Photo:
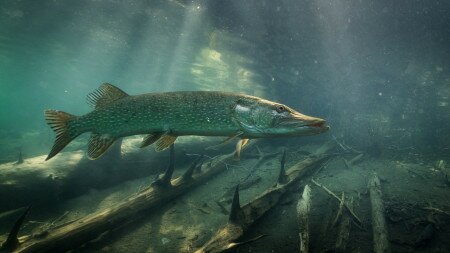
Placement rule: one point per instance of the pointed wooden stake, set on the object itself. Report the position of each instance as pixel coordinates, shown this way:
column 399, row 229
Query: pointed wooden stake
column 164, row 181
column 20, row 158
column 188, row 174
column 381, row 242
column 236, row 211
column 282, row 177
column 343, row 236
column 12, row 242
column 303, row 213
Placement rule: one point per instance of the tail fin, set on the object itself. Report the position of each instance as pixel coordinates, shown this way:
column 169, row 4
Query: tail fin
column 59, row 122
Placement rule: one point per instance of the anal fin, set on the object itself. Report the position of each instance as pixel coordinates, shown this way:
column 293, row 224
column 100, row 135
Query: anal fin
column 150, row 139
column 98, row 144
column 164, row 142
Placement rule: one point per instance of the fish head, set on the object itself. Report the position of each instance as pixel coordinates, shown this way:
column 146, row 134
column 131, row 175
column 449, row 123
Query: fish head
column 262, row 118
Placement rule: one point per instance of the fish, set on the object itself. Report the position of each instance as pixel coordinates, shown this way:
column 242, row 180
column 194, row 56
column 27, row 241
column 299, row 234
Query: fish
column 163, row 117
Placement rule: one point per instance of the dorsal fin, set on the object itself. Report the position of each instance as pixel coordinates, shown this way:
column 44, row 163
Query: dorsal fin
column 104, row 95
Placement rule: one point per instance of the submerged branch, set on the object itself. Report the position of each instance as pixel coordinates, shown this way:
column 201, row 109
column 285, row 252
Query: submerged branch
column 355, row 217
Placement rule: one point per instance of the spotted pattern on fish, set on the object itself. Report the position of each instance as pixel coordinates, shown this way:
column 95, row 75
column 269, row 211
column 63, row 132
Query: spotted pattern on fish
column 172, row 114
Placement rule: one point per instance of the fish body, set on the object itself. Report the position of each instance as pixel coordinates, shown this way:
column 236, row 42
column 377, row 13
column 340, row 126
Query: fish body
column 180, row 113
column 165, row 116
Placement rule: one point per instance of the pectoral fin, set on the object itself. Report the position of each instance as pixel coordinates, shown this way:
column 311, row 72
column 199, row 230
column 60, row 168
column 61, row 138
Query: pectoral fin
column 164, row 142
column 150, row 139
column 98, row 144
column 227, row 140
column 239, row 147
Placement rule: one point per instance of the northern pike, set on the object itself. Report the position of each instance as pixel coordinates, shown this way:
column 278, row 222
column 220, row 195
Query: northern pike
column 165, row 116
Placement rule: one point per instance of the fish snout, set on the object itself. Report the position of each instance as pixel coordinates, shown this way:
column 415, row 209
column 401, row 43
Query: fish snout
column 316, row 122
column 300, row 124
column 319, row 124
column 313, row 122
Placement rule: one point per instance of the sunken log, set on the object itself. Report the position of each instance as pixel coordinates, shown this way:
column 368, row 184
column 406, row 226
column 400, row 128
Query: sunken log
column 241, row 218
column 71, row 174
column 74, row 234
column 228, row 194
column 303, row 210
column 380, row 233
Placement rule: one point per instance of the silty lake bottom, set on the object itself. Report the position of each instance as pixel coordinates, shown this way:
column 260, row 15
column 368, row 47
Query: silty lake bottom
column 378, row 180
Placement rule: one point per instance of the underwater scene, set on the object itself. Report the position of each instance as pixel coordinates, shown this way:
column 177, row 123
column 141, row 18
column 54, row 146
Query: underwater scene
column 224, row 126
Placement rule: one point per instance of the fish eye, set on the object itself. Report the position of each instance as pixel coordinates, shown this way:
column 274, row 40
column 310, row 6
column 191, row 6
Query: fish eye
column 280, row 108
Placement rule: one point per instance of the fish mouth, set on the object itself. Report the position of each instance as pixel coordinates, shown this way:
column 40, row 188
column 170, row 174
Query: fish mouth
column 318, row 126
column 305, row 123
column 319, row 123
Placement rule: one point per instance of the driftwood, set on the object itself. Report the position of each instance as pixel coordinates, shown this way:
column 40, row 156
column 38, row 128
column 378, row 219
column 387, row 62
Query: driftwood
column 228, row 194
column 350, row 210
column 356, row 159
column 303, row 210
column 445, row 170
column 344, row 230
column 56, row 179
column 240, row 219
column 380, row 232
column 74, row 234
column 7, row 215
column 353, row 161
column 12, row 242
column 436, row 210
column 70, row 174
column 20, row 158
column 339, row 213
column 261, row 159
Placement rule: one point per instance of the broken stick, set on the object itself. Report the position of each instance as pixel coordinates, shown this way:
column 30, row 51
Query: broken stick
column 20, row 158
column 380, row 232
column 262, row 157
column 354, row 216
column 11, row 242
column 344, row 231
column 339, row 213
column 303, row 210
